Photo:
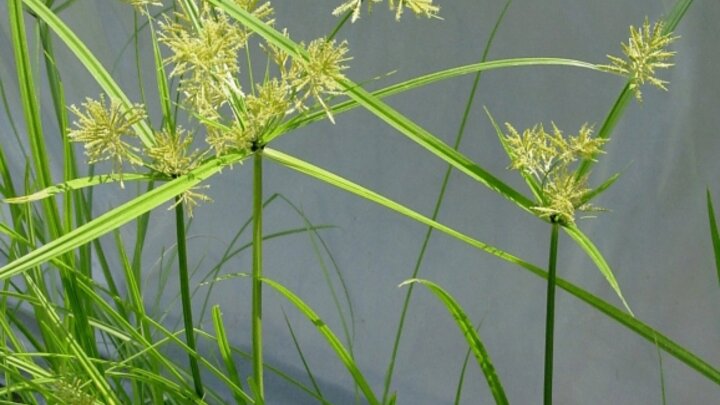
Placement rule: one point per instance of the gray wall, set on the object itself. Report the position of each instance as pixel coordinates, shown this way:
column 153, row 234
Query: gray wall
column 655, row 237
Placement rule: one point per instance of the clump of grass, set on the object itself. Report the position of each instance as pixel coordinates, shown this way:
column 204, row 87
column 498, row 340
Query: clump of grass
column 233, row 114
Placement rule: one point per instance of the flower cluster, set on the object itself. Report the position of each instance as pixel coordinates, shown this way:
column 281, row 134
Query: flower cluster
column 419, row 7
column 320, row 73
column 645, row 52
column 205, row 57
column 205, row 52
column 546, row 158
column 101, row 127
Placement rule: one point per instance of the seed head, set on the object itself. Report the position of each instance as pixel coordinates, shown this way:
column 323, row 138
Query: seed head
column 206, row 58
column 263, row 111
column 171, row 153
column 645, row 52
column 224, row 139
column 172, row 157
column 317, row 75
column 547, row 157
column 101, row 128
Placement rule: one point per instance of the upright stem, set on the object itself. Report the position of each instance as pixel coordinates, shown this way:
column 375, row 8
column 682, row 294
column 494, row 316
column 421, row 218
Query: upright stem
column 256, row 279
column 185, row 295
column 550, row 315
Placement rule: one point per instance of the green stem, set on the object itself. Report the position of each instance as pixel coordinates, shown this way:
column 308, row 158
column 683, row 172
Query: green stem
column 257, row 279
column 185, row 295
column 550, row 315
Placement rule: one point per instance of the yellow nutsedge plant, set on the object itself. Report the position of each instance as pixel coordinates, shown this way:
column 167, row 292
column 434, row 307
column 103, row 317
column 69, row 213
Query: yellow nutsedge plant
column 645, row 52
column 547, row 158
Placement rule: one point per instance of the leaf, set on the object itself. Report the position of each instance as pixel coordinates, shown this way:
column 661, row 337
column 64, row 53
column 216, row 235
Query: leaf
column 117, row 217
column 472, row 337
column 714, row 233
column 225, row 351
column 589, row 247
column 434, row 77
column 331, row 338
column 78, row 184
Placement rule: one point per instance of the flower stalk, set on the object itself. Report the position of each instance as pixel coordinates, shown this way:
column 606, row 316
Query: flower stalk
column 186, row 297
column 550, row 315
column 257, row 278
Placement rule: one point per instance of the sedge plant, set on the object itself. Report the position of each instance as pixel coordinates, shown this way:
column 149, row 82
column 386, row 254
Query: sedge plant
column 231, row 114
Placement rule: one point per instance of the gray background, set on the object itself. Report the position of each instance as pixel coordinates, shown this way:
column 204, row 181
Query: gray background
column 655, row 237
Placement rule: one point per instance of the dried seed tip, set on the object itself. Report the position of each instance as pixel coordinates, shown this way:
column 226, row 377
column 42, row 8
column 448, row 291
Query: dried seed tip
column 142, row 5
column 645, row 52
column 354, row 6
column 419, row 7
column 547, row 157
column 319, row 74
column 101, row 128
column 263, row 11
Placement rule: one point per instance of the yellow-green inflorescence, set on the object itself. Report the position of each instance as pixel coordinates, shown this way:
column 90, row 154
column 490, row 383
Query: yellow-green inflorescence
column 419, row 7
column 105, row 129
column 645, row 52
column 547, row 157
column 205, row 53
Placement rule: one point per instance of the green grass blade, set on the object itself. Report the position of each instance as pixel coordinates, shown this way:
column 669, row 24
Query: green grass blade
column 226, row 351
column 331, row 338
column 91, row 63
column 714, row 234
column 438, row 204
column 427, row 79
column 299, row 350
column 316, row 241
column 77, row 184
column 28, row 94
column 118, row 216
column 162, row 83
column 472, row 337
column 599, row 189
column 79, row 354
column 461, row 379
column 592, row 251
column 613, row 312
